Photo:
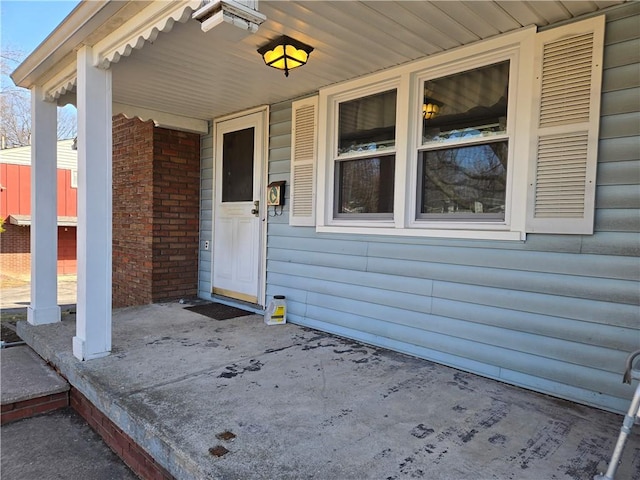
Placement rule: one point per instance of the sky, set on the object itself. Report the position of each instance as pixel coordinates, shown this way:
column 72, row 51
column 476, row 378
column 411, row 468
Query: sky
column 24, row 24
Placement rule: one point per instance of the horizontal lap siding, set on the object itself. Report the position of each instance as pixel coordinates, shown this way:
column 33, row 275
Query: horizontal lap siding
column 557, row 313
column 206, row 214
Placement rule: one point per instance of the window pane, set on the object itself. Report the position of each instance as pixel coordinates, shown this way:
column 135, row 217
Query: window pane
column 237, row 166
column 366, row 185
column 368, row 123
column 467, row 182
column 466, row 105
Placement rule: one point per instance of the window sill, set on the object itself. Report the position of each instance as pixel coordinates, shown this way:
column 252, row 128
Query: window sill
column 500, row 235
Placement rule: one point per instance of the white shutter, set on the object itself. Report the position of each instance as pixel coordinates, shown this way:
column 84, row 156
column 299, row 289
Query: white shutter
column 568, row 67
column 303, row 161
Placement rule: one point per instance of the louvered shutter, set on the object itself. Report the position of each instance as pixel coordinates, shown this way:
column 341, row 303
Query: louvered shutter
column 303, row 161
column 568, row 63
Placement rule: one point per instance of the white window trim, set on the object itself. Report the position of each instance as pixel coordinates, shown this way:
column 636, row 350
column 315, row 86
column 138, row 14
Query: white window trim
column 514, row 122
column 518, row 47
column 327, row 172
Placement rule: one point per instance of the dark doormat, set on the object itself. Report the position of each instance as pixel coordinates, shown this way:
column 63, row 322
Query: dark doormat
column 219, row 311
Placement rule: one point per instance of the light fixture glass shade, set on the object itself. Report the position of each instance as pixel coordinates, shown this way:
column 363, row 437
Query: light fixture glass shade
column 285, row 53
column 430, row 110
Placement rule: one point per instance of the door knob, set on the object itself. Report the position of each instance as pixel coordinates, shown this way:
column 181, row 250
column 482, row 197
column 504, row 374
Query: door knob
column 256, row 211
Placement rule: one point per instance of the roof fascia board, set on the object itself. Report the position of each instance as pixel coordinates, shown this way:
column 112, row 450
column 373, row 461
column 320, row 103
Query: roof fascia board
column 73, row 30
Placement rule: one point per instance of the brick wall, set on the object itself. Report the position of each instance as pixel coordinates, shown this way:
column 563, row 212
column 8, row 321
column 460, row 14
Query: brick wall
column 15, row 245
column 176, row 205
column 33, row 406
column 132, row 211
column 136, row 458
column 156, row 185
column 14, row 250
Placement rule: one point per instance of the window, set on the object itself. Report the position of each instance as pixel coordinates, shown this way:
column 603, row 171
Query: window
column 463, row 160
column 365, row 186
column 365, row 157
column 464, row 183
column 489, row 141
column 237, row 166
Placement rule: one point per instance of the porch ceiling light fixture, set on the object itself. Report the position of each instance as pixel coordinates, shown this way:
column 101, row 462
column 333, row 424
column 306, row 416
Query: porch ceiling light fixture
column 285, row 53
column 430, row 110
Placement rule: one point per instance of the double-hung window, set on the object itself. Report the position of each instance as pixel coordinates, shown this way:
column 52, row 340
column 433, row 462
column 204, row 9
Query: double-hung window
column 489, row 142
column 464, row 150
column 365, row 157
column 427, row 151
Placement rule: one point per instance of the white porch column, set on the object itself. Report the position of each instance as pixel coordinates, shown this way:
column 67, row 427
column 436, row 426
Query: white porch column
column 44, row 221
column 93, row 313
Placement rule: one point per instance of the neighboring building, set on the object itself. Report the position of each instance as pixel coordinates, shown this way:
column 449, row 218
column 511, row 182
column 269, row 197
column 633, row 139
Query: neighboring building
column 15, row 209
column 462, row 179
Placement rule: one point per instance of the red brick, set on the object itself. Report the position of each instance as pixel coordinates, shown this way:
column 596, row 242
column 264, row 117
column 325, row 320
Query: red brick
column 49, row 406
column 14, row 250
column 132, row 454
column 41, row 400
column 34, row 406
column 13, row 416
column 156, row 201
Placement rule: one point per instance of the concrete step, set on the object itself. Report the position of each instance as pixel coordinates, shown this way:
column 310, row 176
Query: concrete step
column 28, row 385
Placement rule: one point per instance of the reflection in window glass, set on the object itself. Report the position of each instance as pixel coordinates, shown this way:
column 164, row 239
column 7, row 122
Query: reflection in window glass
column 237, row 166
column 367, row 123
column 467, row 182
column 466, row 105
column 366, row 185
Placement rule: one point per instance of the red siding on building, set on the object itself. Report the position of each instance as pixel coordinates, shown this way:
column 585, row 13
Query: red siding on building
column 15, row 199
column 3, row 190
column 16, row 194
column 67, row 196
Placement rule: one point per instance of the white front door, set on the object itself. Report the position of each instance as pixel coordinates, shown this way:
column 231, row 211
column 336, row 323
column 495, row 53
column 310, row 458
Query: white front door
column 237, row 226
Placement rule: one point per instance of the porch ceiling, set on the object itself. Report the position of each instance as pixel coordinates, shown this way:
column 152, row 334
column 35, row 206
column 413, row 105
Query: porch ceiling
column 204, row 75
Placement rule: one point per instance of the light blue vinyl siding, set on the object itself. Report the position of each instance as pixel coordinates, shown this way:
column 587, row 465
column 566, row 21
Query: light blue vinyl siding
column 206, row 214
column 556, row 314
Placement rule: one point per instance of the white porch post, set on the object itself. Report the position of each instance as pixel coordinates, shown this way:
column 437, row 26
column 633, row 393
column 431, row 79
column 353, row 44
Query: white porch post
column 93, row 313
column 44, row 221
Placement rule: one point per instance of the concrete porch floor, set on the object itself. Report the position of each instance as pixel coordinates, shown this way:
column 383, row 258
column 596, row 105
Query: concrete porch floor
column 304, row 404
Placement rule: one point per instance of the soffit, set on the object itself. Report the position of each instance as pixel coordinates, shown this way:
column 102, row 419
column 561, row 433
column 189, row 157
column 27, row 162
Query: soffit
column 86, row 24
column 204, row 75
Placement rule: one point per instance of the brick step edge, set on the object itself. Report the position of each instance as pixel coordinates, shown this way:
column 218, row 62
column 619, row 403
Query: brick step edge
column 136, row 458
column 34, row 406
